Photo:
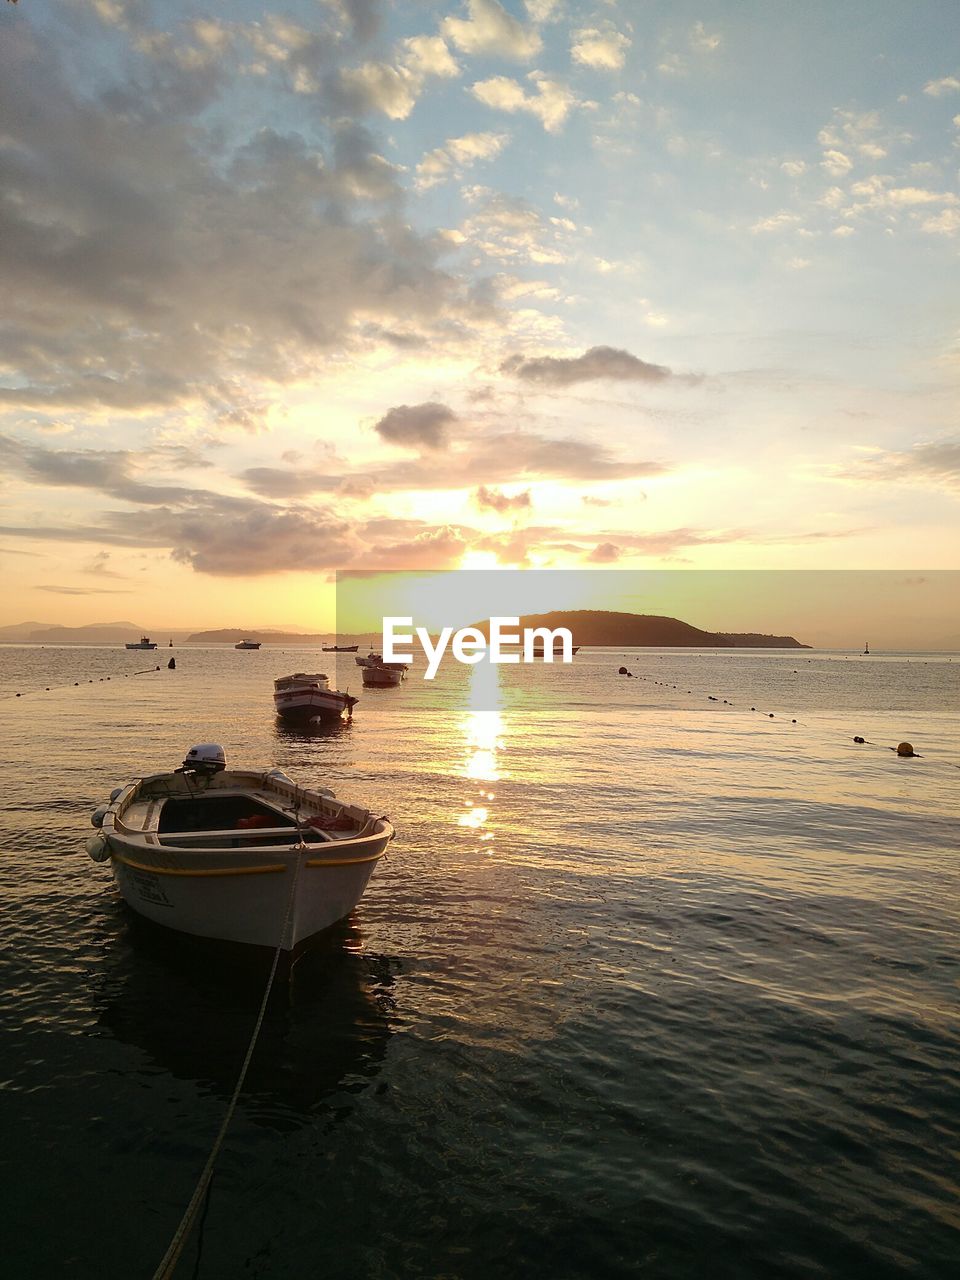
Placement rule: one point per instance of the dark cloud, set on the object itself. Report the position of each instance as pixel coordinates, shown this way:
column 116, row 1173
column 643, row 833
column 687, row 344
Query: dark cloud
column 102, row 470
column 364, row 16
column 500, row 458
column 424, row 426
column 275, row 482
column 147, row 263
column 497, row 500
column 597, row 363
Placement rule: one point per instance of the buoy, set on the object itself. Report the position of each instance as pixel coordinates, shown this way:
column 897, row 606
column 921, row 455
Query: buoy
column 905, row 749
column 859, row 739
column 623, row 672
column 753, row 708
column 98, row 847
column 771, row 715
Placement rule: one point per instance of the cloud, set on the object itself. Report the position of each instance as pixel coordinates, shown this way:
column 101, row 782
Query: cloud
column 605, row 553
column 836, row 163
column 491, row 30
column 602, row 48
column 419, row 425
column 151, row 264
column 598, row 362
column 484, row 460
column 394, row 88
column 934, row 464
column 782, row 221
column 704, row 40
column 946, row 223
column 363, row 17
column 84, row 591
column 496, row 500
column 458, row 154
column 512, row 230
column 551, row 104
column 939, row 88
column 436, row 548
column 103, row 470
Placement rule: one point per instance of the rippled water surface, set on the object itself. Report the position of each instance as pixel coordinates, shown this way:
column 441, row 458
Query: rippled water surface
column 651, row 984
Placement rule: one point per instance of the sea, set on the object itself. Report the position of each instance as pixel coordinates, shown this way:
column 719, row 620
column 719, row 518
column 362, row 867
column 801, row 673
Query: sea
column 659, row 978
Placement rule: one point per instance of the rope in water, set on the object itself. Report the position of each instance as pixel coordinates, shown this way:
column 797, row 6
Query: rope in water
column 172, row 1256
column 770, row 715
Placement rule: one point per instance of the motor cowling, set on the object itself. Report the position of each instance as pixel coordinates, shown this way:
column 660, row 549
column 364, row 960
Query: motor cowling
column 205, row 758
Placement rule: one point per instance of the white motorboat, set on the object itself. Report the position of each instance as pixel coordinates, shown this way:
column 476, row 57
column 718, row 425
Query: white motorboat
column 374, row 661
column 309, row 697
column 248, row 644
column 381, row 677
column 144, row 643
column 237, row 855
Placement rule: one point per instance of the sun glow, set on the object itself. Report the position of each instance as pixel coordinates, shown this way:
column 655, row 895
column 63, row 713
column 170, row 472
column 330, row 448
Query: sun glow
column 480, row 560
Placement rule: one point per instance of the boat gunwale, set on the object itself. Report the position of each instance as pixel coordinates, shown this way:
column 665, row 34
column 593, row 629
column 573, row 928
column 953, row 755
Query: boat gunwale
column 115, row 828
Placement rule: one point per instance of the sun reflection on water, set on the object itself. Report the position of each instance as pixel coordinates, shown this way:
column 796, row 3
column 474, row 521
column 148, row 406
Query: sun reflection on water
column 483, row 728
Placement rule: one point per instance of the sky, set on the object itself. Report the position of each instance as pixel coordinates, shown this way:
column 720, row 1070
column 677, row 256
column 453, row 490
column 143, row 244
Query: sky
column 344, row 284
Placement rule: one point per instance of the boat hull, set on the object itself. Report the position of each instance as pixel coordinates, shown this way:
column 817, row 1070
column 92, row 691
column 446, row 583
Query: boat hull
column 381, row 677
column 311, row 704
column 238, row 856
column 249, row 901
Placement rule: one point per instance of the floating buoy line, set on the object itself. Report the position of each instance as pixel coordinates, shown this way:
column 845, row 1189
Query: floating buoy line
column 78, row 684
column 904, row 750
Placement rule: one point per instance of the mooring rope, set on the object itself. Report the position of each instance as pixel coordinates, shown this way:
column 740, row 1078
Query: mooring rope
column 172, row 1256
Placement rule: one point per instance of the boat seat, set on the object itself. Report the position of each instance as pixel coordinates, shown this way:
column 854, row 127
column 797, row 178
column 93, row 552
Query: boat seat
column 249, row 835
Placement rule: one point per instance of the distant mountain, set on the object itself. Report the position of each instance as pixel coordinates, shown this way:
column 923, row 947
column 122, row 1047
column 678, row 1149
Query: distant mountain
column 20, row 631
column 95, row 633
column 754, row 640
column 629, row 630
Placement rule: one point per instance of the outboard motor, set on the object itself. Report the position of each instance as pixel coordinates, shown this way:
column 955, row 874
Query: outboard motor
column 204, row 760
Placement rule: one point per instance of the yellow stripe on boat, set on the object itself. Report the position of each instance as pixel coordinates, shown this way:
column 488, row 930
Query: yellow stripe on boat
column 340, row 862
column 207, row 871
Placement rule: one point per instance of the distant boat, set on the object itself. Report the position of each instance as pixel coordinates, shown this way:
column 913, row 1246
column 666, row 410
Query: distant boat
column 375, row 661
column 866, row 649
column 340, row 648
column 248, row 644
column 382, row 676
column 145, row 643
